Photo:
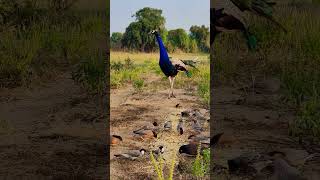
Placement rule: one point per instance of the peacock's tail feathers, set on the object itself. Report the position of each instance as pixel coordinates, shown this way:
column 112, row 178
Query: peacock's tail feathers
column 252, row 42
column 188, row 73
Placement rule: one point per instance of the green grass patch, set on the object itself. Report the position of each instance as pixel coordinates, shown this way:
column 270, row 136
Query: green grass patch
column 200, row 166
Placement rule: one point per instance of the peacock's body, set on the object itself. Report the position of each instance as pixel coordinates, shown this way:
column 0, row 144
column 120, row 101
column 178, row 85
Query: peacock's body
column 164, row 62
column 168, row 67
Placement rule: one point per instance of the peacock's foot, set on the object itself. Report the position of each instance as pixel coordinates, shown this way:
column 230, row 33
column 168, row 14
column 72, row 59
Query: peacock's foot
column 171, row 95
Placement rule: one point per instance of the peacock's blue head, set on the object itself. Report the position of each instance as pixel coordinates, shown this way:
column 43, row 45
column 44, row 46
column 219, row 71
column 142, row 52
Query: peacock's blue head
column 155, row 32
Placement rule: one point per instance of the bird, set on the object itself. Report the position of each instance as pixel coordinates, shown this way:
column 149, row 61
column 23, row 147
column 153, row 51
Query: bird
column 222, row 22
column 191, row 149
column 205, row 140
column 180, row 128
column 168, row 67
column 167, row 125
column 149, row 126
column 132, row 155
column 145, row 134
column 263, row 8
column 186, row 113
column 198, row 115
column 196, row 126
column 158, row 152
column 282, row 169
column 215, row 139
column 199, row 139
column 115, row 139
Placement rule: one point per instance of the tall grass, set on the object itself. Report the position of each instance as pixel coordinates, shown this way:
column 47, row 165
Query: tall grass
column 294, row 58
column 201, row 164
column 52, row 43
column 159, row 166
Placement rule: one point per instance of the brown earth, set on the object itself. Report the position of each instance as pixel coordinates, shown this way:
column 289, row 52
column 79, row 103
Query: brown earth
column 131, row 109
column 52, row 131
column 257, row 122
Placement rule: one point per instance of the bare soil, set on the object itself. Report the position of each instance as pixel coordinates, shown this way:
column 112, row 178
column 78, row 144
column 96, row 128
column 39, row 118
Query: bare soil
column 257, row 122
column 52, row 131
column 131, row 109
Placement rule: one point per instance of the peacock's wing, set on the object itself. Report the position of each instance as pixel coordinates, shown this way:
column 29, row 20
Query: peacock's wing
column 243, row 5
column 264, row 9
column 261, row 7
column 179, row 64
column 191, row 63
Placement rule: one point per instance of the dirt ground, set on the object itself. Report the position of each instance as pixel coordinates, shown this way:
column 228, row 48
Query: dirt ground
column 130, row 110
column 258, row 123
column 52, row 131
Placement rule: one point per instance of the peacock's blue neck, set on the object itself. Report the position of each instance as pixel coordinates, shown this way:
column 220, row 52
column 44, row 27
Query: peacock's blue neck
column 163, row 52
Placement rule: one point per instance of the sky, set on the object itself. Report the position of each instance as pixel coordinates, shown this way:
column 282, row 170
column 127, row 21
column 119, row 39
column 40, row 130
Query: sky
column 178, row 13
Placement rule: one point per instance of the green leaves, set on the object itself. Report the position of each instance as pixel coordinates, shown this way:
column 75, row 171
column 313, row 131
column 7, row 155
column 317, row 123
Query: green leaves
column 201, row 164
column 179, row 39
column 202, row 36
column 136, row 36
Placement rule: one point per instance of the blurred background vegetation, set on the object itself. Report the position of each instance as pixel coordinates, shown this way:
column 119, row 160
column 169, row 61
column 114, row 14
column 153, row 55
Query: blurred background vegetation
column 294, row 58
column 40, row 38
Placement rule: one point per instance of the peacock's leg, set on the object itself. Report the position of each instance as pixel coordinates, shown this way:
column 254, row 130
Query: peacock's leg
column 172, row 87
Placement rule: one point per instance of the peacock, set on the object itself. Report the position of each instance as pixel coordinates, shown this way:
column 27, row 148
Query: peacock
column 168, row 67
column 222, row 22
column 263, row 8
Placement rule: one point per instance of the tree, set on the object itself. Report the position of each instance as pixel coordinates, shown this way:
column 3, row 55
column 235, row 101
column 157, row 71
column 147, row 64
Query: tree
column 179, row 38
column 193, row 47
column 202, row 35
column 137, row 33
column 115, row 40
column 131, row 38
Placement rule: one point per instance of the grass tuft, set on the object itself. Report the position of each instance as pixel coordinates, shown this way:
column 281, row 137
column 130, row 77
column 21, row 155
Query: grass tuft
column 201, row 164
column 159, row 166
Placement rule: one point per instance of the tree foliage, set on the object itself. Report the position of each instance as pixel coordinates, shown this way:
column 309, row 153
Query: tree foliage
column 137, row 34
column 178, row 38
column 202, row 35
column 115, row 40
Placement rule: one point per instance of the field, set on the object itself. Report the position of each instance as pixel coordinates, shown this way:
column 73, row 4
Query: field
column 52, row 82
column 267, row 99
column 139, row 95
